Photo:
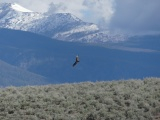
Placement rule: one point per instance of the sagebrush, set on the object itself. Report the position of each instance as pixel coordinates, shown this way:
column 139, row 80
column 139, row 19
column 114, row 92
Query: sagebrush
column 114, row 100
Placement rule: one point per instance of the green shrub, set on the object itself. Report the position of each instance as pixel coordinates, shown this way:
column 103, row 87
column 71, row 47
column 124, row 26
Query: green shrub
column 113, row 100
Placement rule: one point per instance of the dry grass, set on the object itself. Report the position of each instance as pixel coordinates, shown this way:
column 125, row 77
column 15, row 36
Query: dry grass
column 115, row 100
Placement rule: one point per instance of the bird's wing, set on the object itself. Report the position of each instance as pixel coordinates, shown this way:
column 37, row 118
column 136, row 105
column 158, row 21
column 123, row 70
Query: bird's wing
column 74, row 64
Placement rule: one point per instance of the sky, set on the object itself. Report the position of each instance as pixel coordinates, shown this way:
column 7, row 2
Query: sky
column 128, row 16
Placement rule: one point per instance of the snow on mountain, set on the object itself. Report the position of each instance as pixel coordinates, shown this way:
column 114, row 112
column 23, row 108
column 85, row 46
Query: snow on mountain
column 9, row 6
column 62, row 26
column 12, row 17
column 19, row 8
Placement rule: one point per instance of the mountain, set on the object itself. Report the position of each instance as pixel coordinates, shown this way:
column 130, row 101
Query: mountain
column 53, row 59
column 61, row 26
column 13, row 16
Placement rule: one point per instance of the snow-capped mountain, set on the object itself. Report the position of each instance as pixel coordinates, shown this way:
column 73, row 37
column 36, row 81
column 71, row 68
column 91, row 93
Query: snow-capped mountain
column 13, row 16
column 62, row 26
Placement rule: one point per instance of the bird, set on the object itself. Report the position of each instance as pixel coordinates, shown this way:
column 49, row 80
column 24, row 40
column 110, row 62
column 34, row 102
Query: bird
column 77, row 60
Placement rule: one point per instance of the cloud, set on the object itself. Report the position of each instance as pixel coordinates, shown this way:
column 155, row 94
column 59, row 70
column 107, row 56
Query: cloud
column 63, row 6
column 95, row 11
column 100, row 10
column 136, row 16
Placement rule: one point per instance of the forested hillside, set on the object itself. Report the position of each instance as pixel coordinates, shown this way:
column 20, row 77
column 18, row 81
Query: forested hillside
column 114, row 100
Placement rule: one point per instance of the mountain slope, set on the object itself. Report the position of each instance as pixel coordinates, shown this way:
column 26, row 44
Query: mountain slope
column 53, row 59
column 16, row 19
column 11, row 75
column 62, row 26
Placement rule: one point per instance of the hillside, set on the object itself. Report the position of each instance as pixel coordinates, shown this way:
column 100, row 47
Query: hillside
column 12, row 75
column 114, row 100
column 53, row 59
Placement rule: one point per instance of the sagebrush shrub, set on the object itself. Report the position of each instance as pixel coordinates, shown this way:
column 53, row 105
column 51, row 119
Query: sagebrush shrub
column 117, row 100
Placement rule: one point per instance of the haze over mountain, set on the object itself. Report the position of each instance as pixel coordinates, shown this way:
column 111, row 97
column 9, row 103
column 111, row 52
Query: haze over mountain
column 62, row 26
column 53, row 59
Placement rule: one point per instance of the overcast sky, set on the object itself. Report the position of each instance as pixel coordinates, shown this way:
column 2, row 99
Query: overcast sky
column 137, row 16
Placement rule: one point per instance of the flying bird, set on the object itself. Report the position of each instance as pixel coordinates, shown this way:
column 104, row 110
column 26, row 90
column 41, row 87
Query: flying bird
column 77, row 60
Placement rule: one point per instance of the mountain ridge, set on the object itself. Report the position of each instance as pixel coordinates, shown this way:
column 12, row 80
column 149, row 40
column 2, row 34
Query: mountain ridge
column 17, row 7
column 13, row 6
column 61, row 26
